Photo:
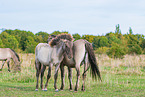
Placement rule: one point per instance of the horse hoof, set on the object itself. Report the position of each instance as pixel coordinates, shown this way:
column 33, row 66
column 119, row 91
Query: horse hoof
column 70, row 89
column 36, row 89
column 83, row 90
column 75, row 91
column 61, row 89
column 56, row 90
column 44, row 89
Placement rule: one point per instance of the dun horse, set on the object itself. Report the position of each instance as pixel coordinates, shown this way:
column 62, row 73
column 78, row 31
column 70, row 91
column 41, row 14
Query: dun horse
column 82, row 54
column 52, row 54
column 6, row 54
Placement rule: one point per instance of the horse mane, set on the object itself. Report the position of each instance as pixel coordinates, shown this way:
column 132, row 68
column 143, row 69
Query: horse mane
column 56, row 40
column 52, row 35
column 16, row 55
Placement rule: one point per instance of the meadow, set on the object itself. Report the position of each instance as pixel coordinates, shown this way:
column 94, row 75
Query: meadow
column 120, row 77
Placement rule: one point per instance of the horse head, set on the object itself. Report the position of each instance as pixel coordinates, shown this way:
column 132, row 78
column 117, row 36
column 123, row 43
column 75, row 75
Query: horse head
column 66, row 41
column 68, row 47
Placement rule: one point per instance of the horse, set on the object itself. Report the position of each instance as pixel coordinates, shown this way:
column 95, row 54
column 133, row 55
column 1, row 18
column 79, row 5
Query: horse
column 82, row 54
column 52, row 54
column 50, row 37
column 6, row 54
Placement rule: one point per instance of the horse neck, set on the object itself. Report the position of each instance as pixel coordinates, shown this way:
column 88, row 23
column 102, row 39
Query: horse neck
column 68, row 61
column 59, row 50
column 14, row 57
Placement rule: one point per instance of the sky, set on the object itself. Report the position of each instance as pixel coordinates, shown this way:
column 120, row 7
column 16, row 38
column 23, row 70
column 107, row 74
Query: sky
column 93, row 17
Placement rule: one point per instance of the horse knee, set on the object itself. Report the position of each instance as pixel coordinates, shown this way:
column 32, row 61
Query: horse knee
column 48, row 76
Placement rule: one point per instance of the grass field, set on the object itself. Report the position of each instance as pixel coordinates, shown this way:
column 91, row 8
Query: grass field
column 121, row 77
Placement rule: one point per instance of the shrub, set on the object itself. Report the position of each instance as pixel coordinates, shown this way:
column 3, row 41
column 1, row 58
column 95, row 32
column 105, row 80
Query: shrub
column 135, row 48
column 101, row 50
column 116, row 51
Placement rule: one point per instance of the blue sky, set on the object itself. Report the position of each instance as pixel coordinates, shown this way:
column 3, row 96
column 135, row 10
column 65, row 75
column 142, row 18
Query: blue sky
column 95, row 17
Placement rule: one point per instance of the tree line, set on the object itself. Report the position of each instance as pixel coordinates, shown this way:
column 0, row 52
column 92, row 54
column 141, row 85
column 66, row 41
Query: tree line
column 114, row 44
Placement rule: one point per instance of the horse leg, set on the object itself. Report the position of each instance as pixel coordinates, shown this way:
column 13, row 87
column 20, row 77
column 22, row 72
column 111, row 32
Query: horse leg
column 8, row 64
column 38, row 68
column 78, row 77
column 48, row 76
column 2, row 65
column 84, row 76
column 42, row 74
column 70, row 77
column 62, row 76
column 55, row 77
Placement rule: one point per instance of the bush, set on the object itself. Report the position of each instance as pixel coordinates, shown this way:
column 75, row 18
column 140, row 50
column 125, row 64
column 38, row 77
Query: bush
column 116, row 51
column 135, row 49
column 101, row 50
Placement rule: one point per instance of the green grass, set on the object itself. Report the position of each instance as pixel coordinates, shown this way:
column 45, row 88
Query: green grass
column 117, row 81
column 112, row 85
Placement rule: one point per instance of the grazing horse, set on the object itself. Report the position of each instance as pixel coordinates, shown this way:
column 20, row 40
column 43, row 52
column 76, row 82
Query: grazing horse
column 6, row 54
column 82, row 54
column 52, row 54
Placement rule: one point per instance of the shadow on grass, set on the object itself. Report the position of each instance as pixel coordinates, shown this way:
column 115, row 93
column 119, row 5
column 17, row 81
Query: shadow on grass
column 28, row 88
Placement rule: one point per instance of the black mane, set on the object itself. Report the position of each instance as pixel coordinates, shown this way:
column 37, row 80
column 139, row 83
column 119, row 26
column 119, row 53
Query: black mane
column 56, row 40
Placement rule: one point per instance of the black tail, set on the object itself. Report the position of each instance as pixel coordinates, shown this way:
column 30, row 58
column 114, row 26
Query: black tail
column 92, row 59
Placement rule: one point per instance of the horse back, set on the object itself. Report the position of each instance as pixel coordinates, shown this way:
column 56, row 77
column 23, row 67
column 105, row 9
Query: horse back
column 5, row 53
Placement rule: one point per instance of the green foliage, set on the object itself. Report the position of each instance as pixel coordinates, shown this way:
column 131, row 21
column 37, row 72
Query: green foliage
column 143, row 43
column 76, row 36
column 116, row 51
column 96, row 42
column 9, row 41
column 103, row 41
column 130, row 30
column 1, row 43
column 25, row 41
column 89, row 38
column 113, row 39
column 30, row 45
column 58, row 32
column 41, row 36
column 135, row 49
column 101, row 50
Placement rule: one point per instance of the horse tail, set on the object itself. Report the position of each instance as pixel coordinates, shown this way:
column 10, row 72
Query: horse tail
column 92, row 60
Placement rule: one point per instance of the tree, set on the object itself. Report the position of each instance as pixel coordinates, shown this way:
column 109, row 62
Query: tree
column 76, row 36
column 96, row 42
column 1, row 43
column 58, row 32
column 135, row 48
column 130, row 30
column 143, row 43
column 41, row 36
column 30, row 45
column 89, row 38
column 117, row 30
column 116, row 51
column 103, row 41
column 9, row 41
